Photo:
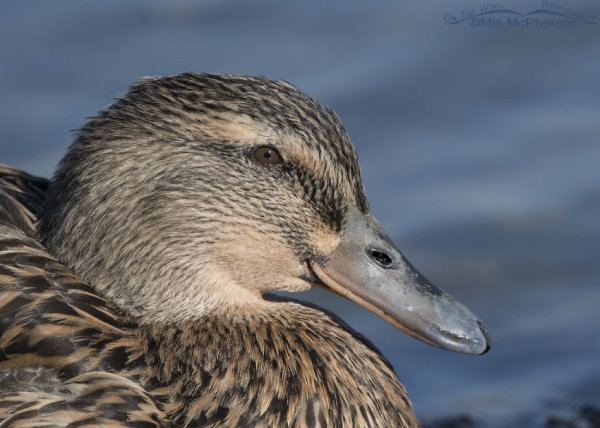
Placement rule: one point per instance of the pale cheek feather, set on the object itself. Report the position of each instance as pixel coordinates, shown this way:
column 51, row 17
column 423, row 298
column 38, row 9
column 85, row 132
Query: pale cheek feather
column 255, row 261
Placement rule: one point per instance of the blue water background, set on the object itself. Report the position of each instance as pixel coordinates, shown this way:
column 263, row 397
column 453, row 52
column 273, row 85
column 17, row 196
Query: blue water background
column 480, row 153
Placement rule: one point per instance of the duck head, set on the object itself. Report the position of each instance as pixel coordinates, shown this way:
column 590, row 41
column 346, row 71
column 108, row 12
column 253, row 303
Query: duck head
column 196, row 194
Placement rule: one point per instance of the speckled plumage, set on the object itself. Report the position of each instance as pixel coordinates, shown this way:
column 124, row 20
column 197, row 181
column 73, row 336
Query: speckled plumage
column 177, row 233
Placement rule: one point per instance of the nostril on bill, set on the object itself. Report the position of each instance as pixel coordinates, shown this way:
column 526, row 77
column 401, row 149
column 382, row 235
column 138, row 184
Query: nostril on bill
column 381, row 258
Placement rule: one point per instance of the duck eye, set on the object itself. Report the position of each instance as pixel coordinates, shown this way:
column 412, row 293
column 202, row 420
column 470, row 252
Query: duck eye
column 267, row 155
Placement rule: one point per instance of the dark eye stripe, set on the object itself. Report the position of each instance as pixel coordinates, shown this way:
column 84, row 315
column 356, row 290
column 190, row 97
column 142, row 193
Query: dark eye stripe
column 267, row 155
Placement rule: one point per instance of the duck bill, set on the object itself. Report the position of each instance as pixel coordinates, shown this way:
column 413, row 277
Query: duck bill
column 368, row 269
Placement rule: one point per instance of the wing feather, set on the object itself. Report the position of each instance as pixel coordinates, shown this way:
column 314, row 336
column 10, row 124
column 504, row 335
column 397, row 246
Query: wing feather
column 89, row 400
column 56, row 333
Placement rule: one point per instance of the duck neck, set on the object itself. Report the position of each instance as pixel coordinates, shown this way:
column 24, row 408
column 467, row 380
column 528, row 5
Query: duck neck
column 270, row 364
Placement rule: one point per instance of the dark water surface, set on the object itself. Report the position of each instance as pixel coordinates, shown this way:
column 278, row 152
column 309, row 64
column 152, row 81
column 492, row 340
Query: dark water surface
column 479, row 143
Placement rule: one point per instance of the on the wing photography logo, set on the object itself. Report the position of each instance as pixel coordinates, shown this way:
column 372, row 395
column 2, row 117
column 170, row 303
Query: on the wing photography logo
column 495, row 15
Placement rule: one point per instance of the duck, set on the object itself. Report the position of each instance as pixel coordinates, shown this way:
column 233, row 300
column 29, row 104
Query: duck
column 135, row 285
